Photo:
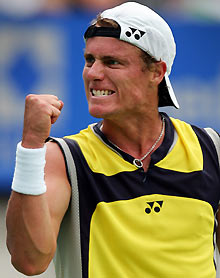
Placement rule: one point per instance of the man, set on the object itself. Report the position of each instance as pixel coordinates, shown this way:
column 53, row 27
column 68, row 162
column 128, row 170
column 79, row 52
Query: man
column 135, row 195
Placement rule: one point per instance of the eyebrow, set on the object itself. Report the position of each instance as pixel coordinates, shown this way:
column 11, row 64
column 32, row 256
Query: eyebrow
column 87, row 55
column 106, row 57
column 110, row 57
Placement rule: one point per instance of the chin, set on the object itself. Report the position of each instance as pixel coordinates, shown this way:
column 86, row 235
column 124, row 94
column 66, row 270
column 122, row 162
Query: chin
column 102, row 111
column 100, row 114
column 96, row 113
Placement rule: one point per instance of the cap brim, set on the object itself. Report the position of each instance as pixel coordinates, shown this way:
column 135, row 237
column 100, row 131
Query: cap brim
column 166, row 93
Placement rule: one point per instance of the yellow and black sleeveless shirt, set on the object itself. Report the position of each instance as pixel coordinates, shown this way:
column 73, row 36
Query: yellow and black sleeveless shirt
column 137, row 224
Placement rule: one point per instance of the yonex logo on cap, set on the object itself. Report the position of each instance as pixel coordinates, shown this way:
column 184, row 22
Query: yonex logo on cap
column 135, row 32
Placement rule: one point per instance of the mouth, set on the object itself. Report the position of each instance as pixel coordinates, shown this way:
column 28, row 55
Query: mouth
column 98, row 93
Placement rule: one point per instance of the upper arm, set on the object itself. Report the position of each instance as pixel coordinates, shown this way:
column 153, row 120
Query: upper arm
column 58, row 187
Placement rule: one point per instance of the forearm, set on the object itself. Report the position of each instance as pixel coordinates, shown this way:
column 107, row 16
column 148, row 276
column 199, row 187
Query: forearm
column 30, row 233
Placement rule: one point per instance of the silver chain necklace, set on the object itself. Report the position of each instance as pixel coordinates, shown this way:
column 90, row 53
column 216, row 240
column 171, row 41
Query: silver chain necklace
column 138, row 161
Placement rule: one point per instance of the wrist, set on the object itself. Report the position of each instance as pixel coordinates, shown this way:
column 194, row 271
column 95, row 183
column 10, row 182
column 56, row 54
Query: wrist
column 29, row 170
column 30, row 140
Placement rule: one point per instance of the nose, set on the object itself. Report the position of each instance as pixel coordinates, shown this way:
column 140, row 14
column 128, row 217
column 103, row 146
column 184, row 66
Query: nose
column 96, row 71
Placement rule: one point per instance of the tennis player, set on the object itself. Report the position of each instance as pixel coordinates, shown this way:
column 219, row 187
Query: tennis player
column 134, row 195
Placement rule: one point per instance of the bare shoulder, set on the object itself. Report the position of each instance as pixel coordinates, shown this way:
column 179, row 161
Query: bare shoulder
column 54, row 158
column 55, row 169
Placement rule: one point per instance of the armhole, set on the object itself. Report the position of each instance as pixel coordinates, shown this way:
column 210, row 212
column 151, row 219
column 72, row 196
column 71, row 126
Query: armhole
column 216, row 140
column 68, row 256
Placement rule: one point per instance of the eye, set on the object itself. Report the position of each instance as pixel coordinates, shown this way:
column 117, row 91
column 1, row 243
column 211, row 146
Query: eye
column 112, row 62
column 89, row 60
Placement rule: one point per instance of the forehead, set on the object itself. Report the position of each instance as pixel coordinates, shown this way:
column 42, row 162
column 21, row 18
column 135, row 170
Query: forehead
column 110, row 46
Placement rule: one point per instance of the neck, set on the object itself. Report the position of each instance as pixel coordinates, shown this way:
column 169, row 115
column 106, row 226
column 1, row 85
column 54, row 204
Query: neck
column 135, row 137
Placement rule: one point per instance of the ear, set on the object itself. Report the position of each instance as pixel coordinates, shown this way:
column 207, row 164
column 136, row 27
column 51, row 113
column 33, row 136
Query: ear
column 159, row 71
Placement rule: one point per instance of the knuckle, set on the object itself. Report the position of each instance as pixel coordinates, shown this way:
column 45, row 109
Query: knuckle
column 32, row 98
column 29, row 97
column 55, row 97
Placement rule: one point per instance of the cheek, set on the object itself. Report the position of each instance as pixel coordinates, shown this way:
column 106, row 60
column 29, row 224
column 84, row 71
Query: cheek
column 85, row 79
column 86, row 86
column 131, row 82
column 135, row 89
column 84, row 73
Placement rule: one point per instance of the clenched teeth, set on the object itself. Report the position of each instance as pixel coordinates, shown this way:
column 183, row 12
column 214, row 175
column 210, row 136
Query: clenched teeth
column 101, row 92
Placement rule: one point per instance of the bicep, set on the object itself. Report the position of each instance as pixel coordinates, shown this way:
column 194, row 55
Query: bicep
column 58, row 188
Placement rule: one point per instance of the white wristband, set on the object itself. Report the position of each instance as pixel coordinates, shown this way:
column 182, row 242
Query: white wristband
column 29, row 171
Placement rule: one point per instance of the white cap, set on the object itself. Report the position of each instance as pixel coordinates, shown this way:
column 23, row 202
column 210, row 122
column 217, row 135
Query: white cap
column 144, row 28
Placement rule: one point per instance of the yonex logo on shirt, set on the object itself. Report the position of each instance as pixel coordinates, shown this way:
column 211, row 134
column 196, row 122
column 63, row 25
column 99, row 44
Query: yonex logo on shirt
column 135, row 32
column 155, row 206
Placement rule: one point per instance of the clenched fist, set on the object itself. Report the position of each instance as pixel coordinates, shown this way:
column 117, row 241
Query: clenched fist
column 41, row 111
